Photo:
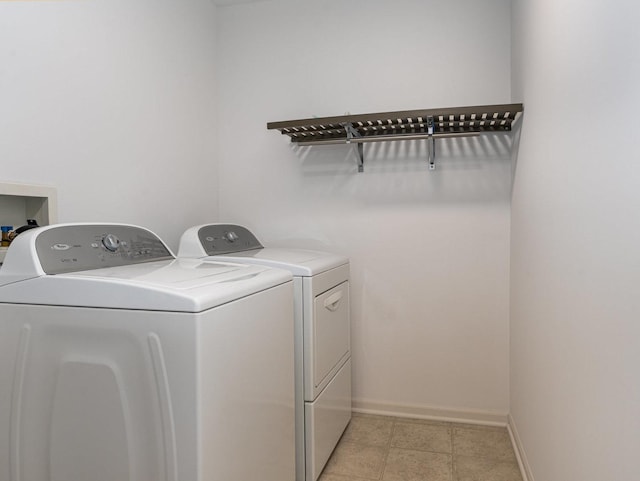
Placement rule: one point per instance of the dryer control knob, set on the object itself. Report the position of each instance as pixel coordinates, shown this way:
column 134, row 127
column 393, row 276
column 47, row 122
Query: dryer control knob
column 111, row 242
column 231, row 236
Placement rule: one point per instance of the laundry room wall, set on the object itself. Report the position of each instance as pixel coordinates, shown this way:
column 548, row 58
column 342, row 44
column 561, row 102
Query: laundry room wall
column 112, row 103
column 575, row 268
column 429, row 249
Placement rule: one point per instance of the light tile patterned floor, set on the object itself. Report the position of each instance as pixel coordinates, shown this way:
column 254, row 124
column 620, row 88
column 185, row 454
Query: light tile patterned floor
column 380, row 448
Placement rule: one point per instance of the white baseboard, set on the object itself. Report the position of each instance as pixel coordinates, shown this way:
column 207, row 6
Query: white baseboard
column 435, row 413
column 525, row 469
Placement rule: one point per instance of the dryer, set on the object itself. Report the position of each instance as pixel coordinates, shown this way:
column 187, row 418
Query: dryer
column 118, row 361
column 322, row 332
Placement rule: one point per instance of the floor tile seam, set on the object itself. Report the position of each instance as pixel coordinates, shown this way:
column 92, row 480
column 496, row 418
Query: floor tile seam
column 389, row 442
column 418, row 451
column 353, row 477
column 454, row 466
column 421, row 450
column 366, row 445
column 488, row 458
column 388, row 449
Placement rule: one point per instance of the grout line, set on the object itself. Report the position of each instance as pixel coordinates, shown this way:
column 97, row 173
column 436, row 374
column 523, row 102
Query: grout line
column 454, row 468
column 388, row 449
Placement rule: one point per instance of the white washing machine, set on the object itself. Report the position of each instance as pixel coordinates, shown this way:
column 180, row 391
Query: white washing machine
column 322, row 333
column 120, row 362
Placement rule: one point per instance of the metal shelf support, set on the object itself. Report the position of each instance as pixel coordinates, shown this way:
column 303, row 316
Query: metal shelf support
column 431, row 143
column 352, row 133
column 360, row 157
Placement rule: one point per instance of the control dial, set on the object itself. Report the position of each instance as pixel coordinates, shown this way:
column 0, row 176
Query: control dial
column 231, row 236
column 111, row 242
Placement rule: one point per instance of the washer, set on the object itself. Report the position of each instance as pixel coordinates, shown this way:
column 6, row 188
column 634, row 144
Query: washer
column 120, row 362
column 322, row 332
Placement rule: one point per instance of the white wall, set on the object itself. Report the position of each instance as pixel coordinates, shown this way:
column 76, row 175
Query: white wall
column 429, row 250
column 575, row 273
column 112, row 102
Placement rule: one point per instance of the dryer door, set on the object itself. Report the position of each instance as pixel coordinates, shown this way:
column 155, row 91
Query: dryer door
column 330, row 334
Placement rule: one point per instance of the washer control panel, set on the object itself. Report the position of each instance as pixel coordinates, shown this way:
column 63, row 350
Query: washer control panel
column 83, row 247
column 219, row 239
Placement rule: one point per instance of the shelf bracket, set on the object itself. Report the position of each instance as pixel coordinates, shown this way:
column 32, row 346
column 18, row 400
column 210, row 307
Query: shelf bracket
column 360, row 157
column 431, row 143
column 353, row 133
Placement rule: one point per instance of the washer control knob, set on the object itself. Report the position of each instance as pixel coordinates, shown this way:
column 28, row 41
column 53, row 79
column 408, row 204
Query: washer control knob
column 111, row 242
column 231, row 236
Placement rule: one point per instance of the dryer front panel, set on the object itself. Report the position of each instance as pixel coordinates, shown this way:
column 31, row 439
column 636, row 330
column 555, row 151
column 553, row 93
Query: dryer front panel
column 326, row 418
column 330, row 331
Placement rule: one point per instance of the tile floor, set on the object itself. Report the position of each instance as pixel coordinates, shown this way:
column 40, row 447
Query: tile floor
column 380, row 448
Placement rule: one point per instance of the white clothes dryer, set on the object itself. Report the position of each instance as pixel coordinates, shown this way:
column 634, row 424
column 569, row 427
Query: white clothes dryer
column 322, row 332
column 120, row 362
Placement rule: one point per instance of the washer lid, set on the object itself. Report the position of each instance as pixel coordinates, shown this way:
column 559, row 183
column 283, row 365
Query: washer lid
column 298, row 261
column 237, row 244
column 168, row 284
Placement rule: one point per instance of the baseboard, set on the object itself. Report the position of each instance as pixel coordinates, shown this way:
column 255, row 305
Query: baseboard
column 525, row 469
column 435, row 413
